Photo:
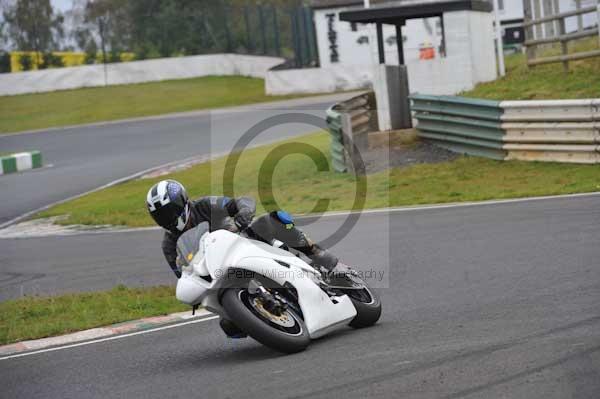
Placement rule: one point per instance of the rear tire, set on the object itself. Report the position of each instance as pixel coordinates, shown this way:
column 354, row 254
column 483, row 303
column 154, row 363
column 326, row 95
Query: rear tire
column 235, row 302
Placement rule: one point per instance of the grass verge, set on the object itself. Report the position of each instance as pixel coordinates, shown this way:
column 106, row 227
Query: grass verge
column 545, row 82
column 297, row 185
column 37, row 317
column 72, row 107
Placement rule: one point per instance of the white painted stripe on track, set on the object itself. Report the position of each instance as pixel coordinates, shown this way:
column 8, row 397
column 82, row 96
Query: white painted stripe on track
column 112, row 338
column 451, row 205
column 371, row 211
column 346, row 213
column 261, row 106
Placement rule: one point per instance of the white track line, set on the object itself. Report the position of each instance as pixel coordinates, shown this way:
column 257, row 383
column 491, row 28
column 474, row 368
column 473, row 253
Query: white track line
column 209, row 158
column 372, row 211
column 451, row 205
column 95, row 341
column 326, row 214
column 263, row 106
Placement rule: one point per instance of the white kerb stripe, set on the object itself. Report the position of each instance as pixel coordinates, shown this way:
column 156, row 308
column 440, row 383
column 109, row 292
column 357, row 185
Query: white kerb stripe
column 23, row 160
column 95, row 341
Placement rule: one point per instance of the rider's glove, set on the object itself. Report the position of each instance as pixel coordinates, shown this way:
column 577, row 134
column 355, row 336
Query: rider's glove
column 243, row 218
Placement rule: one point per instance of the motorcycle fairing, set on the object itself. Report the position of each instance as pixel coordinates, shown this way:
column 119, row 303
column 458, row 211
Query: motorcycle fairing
column 225, row 251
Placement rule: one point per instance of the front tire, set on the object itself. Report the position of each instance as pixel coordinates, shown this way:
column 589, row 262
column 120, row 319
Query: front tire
column 289, row 337
column 368, row 312
column 366, row 302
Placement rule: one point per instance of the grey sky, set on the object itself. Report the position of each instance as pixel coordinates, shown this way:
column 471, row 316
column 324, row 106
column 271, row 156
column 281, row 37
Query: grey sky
column 62, row 5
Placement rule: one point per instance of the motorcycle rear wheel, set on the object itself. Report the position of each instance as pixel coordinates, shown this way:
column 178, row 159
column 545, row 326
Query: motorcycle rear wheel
column 286, row 333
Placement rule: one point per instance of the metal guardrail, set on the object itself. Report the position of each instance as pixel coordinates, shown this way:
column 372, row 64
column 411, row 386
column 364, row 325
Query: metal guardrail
column 469, row 126
column 554, row 130
column 338, row 158
column 551, row 111
column 349, row 124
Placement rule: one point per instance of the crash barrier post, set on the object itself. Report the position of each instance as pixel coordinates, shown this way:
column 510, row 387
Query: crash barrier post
column 546, row 130
column 349, row 123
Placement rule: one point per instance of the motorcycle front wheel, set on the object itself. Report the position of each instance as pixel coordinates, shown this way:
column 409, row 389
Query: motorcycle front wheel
column 366, row 302
column 285, row 333
column 367, row 305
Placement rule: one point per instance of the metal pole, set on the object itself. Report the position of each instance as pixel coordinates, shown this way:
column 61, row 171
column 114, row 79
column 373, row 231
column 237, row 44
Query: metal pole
column 367, row 4
column 380, row 48
column 400, row 44
column 499, row 43
column 103, row 44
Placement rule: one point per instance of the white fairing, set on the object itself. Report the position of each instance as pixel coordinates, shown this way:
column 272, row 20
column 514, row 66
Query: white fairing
column 223, row 254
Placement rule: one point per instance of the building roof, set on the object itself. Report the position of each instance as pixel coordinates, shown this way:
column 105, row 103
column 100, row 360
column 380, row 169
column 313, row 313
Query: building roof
column 316, row 4
column 392, row 13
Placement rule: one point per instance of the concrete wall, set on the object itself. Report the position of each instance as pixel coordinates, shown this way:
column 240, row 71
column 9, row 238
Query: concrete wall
column 136, row 72
column 318, row 80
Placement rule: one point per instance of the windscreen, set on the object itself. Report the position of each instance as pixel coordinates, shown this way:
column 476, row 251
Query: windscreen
column 189, row 243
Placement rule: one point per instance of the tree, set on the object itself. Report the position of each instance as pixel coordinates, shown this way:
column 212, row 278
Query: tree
column 33, row 25
column 110, row 22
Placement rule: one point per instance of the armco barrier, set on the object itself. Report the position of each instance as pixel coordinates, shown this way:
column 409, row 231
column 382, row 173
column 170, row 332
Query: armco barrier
column 19, row 162
column 338, row 158
column 464, row 125
column 552, row 130
column 349, row 124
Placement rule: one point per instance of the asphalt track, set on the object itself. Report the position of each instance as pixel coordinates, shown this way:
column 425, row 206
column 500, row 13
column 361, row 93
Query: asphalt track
column 86, row 157
column 492, row 301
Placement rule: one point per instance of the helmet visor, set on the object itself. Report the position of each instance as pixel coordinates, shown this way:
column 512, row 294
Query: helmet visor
column 167, row 216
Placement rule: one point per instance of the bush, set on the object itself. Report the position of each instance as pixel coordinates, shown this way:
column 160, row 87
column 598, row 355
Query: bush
column 4, row 62
column 114, row 56
column 50, row 60
column 90, row 58
column 26, row 62
column 147, row 52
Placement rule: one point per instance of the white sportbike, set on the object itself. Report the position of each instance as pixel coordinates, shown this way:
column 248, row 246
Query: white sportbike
column 270, row 293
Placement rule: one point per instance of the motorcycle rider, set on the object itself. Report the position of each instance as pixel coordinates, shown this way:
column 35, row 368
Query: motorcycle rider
column 170, row 207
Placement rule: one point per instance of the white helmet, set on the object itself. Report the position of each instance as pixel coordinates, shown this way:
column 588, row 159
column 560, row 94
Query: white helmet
column 169, row 205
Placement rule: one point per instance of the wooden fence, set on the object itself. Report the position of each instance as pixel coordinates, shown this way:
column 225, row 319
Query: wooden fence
column 553, row 23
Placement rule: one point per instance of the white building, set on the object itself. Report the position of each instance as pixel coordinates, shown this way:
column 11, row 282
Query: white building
column 353, row 44
column 448, row 47
column 353, row 39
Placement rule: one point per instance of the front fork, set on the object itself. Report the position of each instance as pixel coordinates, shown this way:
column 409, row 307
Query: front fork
column 271, row 302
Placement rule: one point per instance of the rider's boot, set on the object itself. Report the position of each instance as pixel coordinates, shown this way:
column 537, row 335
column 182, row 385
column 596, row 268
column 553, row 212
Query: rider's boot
column 231, row 330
